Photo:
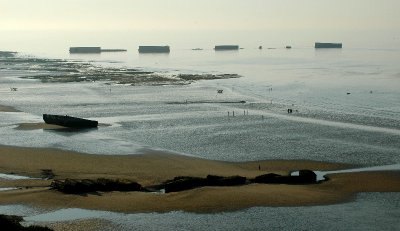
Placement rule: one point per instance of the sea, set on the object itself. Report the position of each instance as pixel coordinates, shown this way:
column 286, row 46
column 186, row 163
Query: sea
column 345, row 108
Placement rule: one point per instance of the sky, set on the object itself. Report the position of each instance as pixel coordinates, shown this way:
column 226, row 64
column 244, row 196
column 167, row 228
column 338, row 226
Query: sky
column 199, row 14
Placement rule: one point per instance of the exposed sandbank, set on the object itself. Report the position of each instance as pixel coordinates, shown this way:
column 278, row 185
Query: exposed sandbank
column 34, row 126
column 48, row 70
column 4, row 108
column 156, row 167
column 43, row 125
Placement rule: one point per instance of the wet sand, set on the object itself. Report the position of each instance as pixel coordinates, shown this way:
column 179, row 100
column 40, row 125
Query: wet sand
column 156, row 167
column 4, row 108
column 85, row 224
column 35, row 126
column 43, row 125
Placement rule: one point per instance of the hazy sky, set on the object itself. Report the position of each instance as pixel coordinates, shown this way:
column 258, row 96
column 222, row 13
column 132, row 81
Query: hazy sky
column 199, row 14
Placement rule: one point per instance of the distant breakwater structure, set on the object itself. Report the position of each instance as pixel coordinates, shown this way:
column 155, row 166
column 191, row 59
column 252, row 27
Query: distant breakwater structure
column 154, row 49
column 319, row 45
column 60, row 70
column 92, row 50
column 226, row 47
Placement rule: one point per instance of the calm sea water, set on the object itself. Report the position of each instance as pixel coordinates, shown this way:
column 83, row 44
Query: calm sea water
column 346, row 107
column 372, row 211
column 345, row 101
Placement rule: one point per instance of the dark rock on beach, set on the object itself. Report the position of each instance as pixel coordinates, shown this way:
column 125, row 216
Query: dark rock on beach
column 47, row 173
column 305, row 177
column 12, row 223
column 185, row 182
column 225, row 181
column 270, row 178
column 182, row 183
column 72, row 186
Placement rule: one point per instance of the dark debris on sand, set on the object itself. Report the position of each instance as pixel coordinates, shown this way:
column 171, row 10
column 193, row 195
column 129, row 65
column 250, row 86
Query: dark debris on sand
column 13, row 223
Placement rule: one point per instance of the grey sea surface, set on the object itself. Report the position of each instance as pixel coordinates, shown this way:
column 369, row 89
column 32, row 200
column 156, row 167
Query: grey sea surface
column 346, row 108
column 193, row 119
column 370, row 211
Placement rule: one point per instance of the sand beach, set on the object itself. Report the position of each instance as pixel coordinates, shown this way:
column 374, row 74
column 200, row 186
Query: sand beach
column 156, row 167
column 266, row 141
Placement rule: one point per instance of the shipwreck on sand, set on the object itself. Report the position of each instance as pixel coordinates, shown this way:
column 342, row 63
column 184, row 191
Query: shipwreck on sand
column 69, row 121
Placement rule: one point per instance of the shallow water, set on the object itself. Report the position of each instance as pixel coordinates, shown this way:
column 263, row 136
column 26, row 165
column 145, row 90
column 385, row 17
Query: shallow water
column 321, row 174
column 13, row 177
column 7, row 189
column 328, row 124
column 372, row 211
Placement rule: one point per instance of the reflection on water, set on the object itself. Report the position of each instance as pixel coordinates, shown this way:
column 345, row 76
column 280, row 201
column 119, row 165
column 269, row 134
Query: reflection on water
column 363, row 214
column 326, row 124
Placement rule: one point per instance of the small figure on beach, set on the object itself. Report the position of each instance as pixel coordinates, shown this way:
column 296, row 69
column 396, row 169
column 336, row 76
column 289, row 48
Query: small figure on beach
column 259, row 167
column 289, row 111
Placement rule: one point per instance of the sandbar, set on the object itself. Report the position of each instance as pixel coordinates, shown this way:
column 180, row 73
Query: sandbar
column 156, row 167
column 40, row 125
column 45, row 126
